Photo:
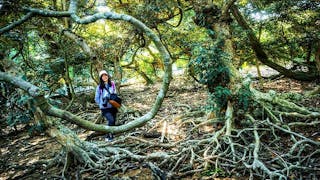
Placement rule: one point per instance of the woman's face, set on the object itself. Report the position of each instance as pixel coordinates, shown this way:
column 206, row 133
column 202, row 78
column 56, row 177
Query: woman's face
column 104, row 78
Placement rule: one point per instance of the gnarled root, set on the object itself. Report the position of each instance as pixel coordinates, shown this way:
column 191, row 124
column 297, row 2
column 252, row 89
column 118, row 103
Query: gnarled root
column 261, row 146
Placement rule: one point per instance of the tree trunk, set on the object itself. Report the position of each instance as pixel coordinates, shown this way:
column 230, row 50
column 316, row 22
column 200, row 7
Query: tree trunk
column 142, row 74
column 117, row 73
column 219, row 23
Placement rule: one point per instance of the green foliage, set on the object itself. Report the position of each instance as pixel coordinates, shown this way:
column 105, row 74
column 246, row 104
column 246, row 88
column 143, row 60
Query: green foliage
column 24, row 115
column 210, row 64
column 218, row 99
column 38, row 127
column 244, row 98
column 287, row 30
column 16, row 117
column 181, row 63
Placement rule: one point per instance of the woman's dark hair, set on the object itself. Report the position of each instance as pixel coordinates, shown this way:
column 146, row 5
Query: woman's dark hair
column 101, row 83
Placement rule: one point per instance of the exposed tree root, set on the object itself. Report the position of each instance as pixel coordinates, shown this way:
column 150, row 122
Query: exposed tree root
column 265, row 147
column 263, row 144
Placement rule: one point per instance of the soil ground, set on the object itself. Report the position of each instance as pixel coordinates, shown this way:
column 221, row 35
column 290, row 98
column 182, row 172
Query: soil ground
column 22, row 154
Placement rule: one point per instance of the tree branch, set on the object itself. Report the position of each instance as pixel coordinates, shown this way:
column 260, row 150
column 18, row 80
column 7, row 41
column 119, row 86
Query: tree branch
column 261, row 54
column 16, row 23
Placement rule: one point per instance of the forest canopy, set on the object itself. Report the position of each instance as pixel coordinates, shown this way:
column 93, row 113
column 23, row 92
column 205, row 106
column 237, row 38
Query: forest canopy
column 188, row 62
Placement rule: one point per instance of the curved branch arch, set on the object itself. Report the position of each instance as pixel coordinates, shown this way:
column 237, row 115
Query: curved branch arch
column 38, row 94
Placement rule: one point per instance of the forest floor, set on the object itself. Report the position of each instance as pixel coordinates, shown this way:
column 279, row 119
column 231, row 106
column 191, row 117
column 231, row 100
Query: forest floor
column 22, row 155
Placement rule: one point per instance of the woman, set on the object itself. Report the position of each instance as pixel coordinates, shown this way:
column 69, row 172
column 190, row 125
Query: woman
column 103, row 90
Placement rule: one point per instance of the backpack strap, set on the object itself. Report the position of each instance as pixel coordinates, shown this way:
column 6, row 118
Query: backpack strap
column 113, row 86
column 101, row 89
